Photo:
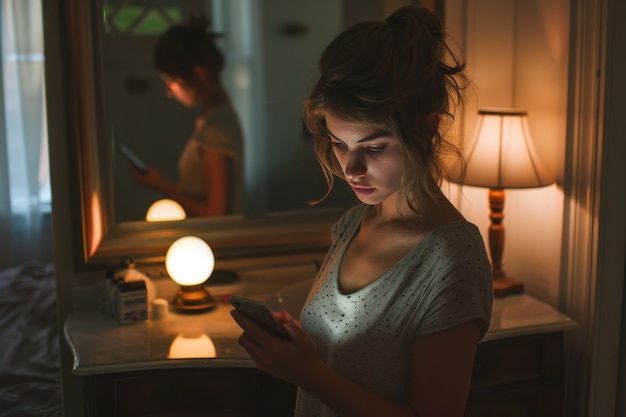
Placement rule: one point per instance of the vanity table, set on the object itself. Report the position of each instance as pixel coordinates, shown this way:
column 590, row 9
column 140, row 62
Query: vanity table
column 519, row 366
column 141, row 369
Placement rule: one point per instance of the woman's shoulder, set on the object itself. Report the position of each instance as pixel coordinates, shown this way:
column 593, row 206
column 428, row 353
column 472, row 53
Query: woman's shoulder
column 349, row 219
column 220, row 128
column 352, row 214
column 456, row 226
column 460, row 230
column 459, row 240
column 223, row 115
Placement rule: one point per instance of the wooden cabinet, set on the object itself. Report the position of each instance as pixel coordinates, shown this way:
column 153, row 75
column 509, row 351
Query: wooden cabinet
column 518, row 377
column 207, row 392
column 514, row 377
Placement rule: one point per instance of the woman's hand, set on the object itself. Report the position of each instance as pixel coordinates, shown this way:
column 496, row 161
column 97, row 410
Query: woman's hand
column 151, row 178
column 289, row 360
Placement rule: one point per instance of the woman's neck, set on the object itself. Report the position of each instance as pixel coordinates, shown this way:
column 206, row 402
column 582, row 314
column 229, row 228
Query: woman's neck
column 432, row 211
column 215, row 97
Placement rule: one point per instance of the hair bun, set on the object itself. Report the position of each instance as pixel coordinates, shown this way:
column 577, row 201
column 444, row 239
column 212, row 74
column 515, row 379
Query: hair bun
column 410, row 16
column 433, row 23
column 395, row 21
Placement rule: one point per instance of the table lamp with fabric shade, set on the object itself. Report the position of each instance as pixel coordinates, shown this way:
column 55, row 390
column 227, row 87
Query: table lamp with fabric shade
column 501, row 155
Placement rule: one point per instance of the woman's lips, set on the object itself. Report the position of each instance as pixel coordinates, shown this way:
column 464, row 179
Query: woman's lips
column 363, row 190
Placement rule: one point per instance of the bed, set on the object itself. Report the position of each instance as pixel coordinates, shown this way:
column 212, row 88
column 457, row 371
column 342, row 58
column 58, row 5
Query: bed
column 29, row 345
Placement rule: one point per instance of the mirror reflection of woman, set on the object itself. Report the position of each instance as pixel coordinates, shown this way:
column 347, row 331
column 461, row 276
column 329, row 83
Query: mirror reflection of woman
column 210, row 166
column 392, row 322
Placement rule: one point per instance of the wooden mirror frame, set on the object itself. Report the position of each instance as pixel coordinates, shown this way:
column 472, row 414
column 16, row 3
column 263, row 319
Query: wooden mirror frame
column 272, row 238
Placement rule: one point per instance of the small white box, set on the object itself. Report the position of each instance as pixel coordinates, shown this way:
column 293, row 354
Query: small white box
column 132, row 301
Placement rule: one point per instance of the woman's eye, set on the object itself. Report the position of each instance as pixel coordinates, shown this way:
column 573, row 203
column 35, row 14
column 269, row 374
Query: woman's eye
column 375, row 149
column 337, row 145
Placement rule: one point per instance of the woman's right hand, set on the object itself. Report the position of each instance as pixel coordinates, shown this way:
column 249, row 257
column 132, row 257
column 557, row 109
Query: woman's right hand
column 151, row 178
column 285, row 359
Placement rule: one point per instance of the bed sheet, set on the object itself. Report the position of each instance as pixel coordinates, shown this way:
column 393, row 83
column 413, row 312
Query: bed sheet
column 29, row 346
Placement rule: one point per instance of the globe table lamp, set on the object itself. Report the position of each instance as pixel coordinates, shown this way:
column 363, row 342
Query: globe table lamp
column 165, row 210
column 189, row 262
column 501, row 155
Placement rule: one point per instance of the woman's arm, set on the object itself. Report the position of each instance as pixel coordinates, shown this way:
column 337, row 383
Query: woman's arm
column 217, row 181
column 440, row 371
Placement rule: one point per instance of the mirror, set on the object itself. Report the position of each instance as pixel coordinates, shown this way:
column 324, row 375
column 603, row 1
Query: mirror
column 265, row 88
column 271, row 226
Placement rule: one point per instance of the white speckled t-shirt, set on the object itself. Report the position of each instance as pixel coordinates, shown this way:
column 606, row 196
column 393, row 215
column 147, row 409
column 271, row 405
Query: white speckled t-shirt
column 367, row 336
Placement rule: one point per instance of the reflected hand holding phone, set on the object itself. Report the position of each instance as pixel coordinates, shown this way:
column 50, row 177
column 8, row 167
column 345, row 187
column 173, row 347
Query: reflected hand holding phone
column 133, row 159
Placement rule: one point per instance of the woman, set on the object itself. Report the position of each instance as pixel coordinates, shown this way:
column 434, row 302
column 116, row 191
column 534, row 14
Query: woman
column 393, row 319
column 210, row 167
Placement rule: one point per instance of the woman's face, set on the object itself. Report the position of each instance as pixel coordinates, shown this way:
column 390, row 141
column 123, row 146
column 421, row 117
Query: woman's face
column 372, row 160
column 181, row 91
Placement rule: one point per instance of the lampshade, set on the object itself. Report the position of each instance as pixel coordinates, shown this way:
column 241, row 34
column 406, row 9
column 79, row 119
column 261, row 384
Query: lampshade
column 165, row 210
column 502, row 155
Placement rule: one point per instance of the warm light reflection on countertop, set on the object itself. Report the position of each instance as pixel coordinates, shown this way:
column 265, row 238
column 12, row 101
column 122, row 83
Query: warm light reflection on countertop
column 101, row 345
column 191, row 345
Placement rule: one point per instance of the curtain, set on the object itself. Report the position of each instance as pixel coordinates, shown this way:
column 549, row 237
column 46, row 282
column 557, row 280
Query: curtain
column 25, row 199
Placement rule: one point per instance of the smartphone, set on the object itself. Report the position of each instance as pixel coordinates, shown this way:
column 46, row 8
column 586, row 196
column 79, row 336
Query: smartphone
column 260, row 314
column 133, row 158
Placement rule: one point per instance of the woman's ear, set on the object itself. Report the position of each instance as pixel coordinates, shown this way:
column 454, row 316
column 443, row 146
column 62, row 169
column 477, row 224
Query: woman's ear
column 200, row 73
column 432, row 121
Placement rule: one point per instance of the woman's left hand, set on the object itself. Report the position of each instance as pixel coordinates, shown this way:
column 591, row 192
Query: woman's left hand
column 289, row 360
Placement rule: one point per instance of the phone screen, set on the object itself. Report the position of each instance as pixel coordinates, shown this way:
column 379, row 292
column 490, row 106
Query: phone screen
column 133, row 158
column 257, row 311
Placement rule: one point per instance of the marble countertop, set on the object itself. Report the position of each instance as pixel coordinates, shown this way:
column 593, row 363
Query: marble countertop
column 521, row 315
column 101, row 345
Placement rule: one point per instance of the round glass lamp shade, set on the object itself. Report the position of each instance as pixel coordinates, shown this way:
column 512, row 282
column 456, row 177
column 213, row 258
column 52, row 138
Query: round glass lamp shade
column 165, row 210
column 189, row 261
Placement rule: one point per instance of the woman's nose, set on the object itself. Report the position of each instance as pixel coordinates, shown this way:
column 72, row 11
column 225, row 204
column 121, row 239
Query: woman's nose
column 355, row 166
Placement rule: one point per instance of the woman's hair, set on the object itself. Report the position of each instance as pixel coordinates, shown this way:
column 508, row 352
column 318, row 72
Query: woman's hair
column 400, row 76
column 185, row 46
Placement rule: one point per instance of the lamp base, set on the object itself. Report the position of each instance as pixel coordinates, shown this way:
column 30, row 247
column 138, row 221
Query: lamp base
column 503, row 286
column 193, row 298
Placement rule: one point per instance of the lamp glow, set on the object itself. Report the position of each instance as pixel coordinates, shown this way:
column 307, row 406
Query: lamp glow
column 165, row 210
column 189, row 262
column 501, row 156
column 192, row 346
